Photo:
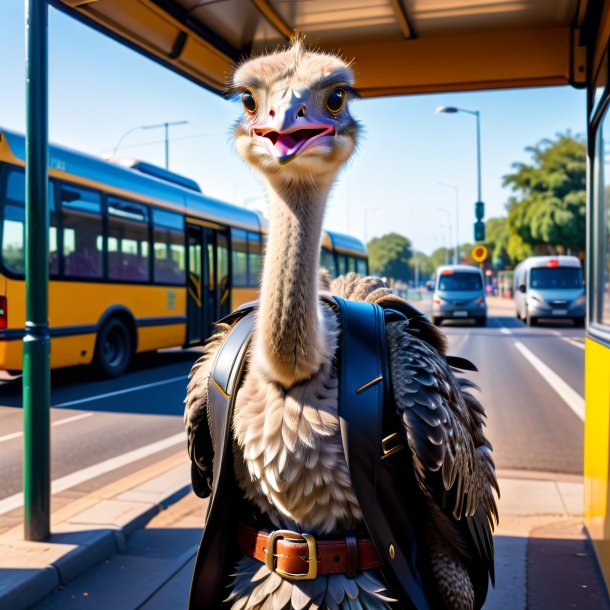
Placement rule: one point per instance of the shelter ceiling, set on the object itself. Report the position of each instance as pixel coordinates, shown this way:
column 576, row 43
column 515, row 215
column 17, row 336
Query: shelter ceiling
column 399, row 46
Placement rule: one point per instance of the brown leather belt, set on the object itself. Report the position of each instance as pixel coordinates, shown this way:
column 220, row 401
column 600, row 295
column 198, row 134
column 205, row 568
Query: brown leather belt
column 300, row 557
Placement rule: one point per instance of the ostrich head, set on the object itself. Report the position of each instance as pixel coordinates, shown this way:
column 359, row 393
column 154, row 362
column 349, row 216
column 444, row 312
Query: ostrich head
column 296, row 124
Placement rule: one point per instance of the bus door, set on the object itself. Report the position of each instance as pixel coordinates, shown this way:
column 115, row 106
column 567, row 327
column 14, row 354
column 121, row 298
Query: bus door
column 195, row 305
column 208, row 281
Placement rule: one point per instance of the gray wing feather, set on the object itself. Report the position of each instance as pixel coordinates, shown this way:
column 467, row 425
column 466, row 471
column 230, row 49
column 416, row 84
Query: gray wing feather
column 443, row 424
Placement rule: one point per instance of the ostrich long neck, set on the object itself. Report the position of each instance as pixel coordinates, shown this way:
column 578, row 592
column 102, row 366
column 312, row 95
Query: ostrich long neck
column 289, row 333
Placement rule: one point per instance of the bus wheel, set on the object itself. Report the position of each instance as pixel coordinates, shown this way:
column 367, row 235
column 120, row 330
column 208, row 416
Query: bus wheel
column 437, row 321
column 113, row 349
column 579, row 322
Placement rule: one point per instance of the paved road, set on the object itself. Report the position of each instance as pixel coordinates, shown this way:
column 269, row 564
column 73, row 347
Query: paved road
column 530, row 424
column 94, row 421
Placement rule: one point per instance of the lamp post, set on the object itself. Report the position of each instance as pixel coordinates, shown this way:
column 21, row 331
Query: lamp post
column 166, row 127
column 456, row 256
column 448, row 229
column 477, row 115
column 376, row 208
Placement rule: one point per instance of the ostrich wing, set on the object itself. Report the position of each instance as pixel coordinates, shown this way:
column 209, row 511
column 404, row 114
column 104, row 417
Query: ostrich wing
column 442, row 421
column 443, row 424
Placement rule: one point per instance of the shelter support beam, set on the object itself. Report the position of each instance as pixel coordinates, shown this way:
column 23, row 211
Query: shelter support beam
column 36, row 343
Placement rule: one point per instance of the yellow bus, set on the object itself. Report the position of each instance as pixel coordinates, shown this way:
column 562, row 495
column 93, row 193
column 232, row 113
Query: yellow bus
column 139, row 258
column 422, row 47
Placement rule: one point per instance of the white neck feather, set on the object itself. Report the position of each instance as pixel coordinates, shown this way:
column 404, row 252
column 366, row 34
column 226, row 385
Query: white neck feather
column 290, row 338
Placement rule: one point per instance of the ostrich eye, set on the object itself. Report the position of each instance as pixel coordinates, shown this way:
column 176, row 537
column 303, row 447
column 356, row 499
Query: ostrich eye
column 248, row 101
column 336, row 100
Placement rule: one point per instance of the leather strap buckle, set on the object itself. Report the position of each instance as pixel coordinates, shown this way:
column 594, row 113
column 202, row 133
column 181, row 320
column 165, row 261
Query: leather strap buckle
column 311, row 559
column 388, row 449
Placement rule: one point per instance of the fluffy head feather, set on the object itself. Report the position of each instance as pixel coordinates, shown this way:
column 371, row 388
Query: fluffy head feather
column 296, row 121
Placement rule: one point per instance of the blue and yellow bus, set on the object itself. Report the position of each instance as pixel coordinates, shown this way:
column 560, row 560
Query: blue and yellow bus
column 139, row 258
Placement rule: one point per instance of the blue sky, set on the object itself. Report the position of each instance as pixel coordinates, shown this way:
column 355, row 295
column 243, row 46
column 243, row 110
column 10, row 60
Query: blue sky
column 99, row 90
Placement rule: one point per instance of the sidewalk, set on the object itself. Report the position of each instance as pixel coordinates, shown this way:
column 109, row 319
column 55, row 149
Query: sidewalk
column 143, row 558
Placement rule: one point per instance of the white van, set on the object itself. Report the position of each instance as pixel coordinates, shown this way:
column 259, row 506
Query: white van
column 549, row 287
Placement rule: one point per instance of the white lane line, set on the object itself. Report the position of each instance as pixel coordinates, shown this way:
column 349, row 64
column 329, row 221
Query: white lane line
column 80, row 476
column 574, row 342
column 118, row 392
column 503, row 329
column 574, row 400
column 66, row 420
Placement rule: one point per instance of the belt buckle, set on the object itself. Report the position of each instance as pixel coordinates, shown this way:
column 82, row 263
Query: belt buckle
column 312, row 554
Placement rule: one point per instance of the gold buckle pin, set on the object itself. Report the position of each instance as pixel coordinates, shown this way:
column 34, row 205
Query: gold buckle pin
column 386, row 447
column 312, row 554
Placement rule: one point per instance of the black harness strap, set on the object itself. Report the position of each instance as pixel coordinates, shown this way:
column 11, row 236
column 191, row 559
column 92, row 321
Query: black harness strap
column 214, row 550
column 363, row 374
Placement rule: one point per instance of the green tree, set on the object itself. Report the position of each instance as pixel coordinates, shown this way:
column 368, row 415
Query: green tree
column 424, row 266
column 389, row 256
column 547, row 215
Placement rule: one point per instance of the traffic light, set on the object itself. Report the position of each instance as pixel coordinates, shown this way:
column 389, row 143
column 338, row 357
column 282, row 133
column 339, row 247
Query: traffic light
column 479, row 210
column 479, row 231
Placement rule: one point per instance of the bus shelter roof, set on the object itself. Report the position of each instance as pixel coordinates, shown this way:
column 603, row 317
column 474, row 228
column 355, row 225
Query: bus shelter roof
column 399, row 46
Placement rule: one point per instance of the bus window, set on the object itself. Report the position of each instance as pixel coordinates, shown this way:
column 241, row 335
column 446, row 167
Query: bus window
column 239, row 245
column 128, row 241
column 351, row 263
column 361, row 267
column 82, row 232
column 254, row 258
column 341, row 264
column 327, row 261
column 169, row 259
column 13, row 226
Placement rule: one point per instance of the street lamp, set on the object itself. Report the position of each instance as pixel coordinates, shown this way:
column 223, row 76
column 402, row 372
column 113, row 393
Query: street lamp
column 457, row 256
column 477, row 114
column 448, row 228
column 165, row 125
column 377, row 208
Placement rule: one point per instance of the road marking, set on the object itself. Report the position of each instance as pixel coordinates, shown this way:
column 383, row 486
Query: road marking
column 574, row 342
column 67, row 420
column 505, row 331
column 574, row 400
column 125, row 391
column 80, row 476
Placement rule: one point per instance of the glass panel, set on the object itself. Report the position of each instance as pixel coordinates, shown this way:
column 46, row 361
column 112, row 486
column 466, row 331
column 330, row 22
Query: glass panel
column 240, row 257
column 170, row 263
column 460, row 281
column 82, row 232
column 351, row 263
column 361, row 267
column 602, row 274
column 558, row 277
column 341, row 264
column 327, row 260
column 254, row 258
column 13, row 229
column 127, row 241
column 222, row 266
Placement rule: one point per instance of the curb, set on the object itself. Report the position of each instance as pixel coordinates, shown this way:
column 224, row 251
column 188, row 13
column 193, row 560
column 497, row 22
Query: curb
column 87, row 537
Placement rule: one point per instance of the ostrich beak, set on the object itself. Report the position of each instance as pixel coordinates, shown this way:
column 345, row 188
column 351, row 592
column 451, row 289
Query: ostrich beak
column 286, row 144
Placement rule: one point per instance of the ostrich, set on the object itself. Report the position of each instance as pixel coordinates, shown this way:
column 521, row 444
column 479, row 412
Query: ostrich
column 297, row 132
